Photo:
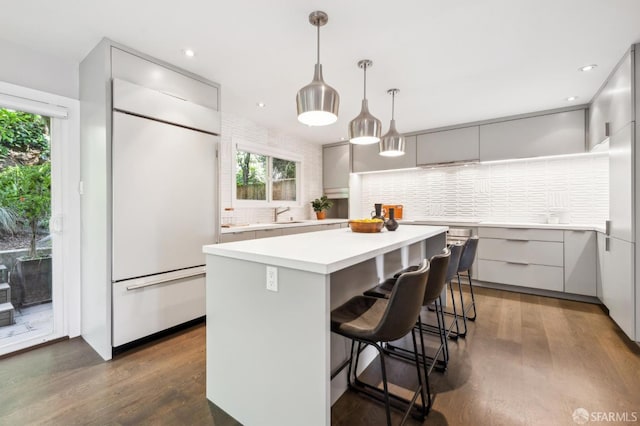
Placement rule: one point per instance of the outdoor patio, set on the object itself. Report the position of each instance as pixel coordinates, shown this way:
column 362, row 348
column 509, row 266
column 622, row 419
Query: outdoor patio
column 31, row 321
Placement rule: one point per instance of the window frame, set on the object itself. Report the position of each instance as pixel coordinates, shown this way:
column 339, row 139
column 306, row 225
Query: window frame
column 270, row 153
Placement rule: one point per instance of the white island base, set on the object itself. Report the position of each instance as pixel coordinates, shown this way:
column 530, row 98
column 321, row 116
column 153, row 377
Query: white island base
column 270, row 354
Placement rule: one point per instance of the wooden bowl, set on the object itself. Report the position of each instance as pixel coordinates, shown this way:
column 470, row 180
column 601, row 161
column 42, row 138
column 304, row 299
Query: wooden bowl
column 365, row 227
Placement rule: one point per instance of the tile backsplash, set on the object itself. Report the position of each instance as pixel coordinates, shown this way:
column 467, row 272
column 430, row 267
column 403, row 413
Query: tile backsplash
column 236, row 129
column 518, row 191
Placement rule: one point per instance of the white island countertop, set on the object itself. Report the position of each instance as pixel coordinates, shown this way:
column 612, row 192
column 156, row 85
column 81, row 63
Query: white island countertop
column 323, row 252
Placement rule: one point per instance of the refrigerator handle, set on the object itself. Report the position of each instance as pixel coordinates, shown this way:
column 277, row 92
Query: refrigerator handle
column 607, row 227
column 163, row 278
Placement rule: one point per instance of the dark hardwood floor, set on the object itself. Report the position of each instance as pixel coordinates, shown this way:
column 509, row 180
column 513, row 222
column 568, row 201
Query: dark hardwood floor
column 527, row 360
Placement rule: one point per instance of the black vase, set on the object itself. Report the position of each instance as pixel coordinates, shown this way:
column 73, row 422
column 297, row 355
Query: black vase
column 391, row 224
column 378, row 212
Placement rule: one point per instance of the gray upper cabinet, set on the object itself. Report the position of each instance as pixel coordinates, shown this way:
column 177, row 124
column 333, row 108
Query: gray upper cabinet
column 335, row 166
column 366, row 158
column 612, row 108
column 449, row 146
column 550, row 134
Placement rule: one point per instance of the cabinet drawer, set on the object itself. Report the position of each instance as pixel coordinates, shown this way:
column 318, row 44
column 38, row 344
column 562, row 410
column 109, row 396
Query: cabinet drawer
column 268, row 233
column 534, row 276
column 237, row 236
column 142, row 311
column 522, row 251
column 521, row 234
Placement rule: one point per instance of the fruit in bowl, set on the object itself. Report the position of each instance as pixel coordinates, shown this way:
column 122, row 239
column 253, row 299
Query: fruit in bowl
column 366, row 225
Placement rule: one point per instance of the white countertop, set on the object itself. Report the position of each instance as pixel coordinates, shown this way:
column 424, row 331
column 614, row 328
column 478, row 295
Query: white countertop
column 283, row 224
column 323, row 252
column 476, row 223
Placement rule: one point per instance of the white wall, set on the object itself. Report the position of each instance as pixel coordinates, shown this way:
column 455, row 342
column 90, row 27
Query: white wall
column 519, row 191
column 37, row 70
column 236, row 129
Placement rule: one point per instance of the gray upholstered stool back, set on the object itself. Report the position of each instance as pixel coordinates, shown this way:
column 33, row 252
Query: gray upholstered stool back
column 439, row 264
column 468, row 254
column 404, row 305
column 454, row 261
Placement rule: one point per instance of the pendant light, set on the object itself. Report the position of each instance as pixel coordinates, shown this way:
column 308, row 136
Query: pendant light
column 318, row 102
column 365, row 128
column 392, row 143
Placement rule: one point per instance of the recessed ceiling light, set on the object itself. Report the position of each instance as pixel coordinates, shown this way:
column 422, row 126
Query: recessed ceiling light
column 587, row 67
column 572, row 98
column 342, row 138
column 261, row 104
column 189, row 53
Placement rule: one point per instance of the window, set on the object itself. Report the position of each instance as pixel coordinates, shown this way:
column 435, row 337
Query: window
column 266, row 177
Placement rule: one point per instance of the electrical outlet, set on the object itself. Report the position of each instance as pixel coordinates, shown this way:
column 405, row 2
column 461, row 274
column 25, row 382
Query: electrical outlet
column 272, row 278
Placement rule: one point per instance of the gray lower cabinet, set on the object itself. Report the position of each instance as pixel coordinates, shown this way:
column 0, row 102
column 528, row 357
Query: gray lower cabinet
column 550, row 134
column 366, row 158
column 521, row 257
column 268, row 233
column 580, row 270
column 275, row 232
column 448, row 146
column 547, row 259
column 237, row 236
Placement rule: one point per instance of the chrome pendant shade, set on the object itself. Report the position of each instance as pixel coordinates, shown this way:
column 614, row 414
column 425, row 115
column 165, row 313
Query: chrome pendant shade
column 365, row 128
column 318, row 102
column 392, row 143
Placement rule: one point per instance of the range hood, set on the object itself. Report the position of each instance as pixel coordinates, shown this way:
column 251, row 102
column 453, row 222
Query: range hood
column 336, row 193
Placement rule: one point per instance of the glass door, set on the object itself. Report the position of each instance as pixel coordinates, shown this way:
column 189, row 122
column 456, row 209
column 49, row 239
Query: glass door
column 40, row 199
column 26, row 279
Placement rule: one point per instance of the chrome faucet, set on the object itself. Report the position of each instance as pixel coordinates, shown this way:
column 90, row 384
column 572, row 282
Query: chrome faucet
column 277, row 213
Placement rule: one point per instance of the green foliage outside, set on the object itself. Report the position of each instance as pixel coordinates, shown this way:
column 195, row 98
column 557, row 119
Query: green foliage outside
column 26, row 190
column 252, row 168
column 21, row 131
column 25, row 174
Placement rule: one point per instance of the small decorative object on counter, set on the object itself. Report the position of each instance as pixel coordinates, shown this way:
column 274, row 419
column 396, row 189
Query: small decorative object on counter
column 391, row 223
column 378, row 213
column 320, row 205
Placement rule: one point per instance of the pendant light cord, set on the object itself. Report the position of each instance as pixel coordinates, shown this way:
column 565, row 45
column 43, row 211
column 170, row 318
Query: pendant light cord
column 318, row 44
column 365, row 81
column 393, row 104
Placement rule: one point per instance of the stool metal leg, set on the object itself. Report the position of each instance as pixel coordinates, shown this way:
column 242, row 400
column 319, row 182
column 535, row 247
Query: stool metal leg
column 464, row 311
column 455, row 316
column 473, row 299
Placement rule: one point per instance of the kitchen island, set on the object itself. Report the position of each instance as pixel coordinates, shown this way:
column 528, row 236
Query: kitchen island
column 270, row 352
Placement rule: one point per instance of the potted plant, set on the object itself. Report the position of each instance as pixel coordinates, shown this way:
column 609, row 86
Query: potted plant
column 320, row 205
column 26, row 190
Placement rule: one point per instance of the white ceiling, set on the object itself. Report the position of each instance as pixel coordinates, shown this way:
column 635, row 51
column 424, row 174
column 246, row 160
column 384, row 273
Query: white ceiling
column 454, row 61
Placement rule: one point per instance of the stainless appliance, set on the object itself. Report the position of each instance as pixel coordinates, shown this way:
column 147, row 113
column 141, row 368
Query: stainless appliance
column 455, row 235
column 164, row 190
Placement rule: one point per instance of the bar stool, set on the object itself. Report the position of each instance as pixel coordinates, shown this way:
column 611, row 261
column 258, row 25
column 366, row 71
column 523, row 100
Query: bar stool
column 371, row 321
column 466, row 260
column 452, row 272
column 435, row 283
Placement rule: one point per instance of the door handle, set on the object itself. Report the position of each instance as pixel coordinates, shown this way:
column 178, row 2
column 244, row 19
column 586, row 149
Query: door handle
column 518, row 263
column 607, row 129
column 607, row 227
column 607, row 244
